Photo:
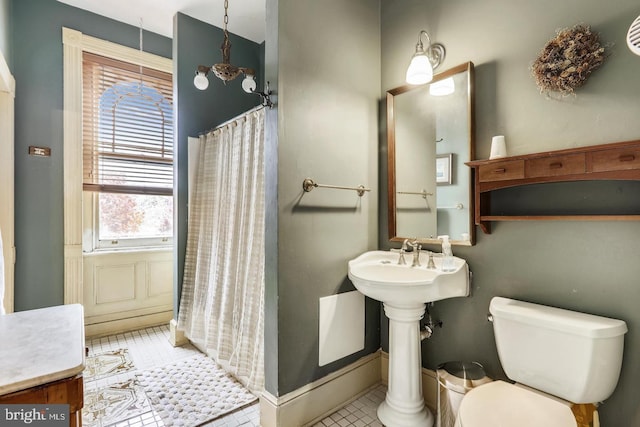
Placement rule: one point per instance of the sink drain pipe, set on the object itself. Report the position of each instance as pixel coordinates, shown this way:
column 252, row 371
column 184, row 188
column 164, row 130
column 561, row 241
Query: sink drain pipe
column 427, row 330
column 426, row 333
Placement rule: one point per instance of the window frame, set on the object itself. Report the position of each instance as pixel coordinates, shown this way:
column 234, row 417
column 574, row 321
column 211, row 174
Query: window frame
column 91, row 233
column 105, row 74
column 79, row 205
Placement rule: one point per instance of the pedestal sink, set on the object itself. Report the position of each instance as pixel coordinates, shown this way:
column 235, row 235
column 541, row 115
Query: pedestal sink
column 404, row 292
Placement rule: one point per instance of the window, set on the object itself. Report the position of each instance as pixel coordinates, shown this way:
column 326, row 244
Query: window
column 128, row 152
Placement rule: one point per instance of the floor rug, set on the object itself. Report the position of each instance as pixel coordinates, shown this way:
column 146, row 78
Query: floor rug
column 112, row 403
column 107, row 363
column 193, row 391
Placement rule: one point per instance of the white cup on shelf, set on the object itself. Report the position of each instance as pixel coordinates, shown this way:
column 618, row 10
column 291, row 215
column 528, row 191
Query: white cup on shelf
column 498, row 147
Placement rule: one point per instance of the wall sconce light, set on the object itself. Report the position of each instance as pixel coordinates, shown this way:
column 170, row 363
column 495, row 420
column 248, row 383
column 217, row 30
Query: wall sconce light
column 424, row 61
column 225, row 71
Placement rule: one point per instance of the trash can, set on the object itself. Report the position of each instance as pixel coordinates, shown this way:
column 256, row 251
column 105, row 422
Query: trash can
column 455, row 379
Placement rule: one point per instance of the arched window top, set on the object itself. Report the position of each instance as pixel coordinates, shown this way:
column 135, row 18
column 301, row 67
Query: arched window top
column 128, row 127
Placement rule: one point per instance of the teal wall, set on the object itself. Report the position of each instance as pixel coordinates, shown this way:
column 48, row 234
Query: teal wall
column 198, row 43
column 37, row 68
column 5, row 31
column 325, row 127
column 37, row 65
column 584, row 266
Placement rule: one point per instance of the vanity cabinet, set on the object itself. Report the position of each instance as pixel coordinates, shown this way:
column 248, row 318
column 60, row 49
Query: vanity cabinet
column 66, row 391
column 42, row 358
column 615, row 161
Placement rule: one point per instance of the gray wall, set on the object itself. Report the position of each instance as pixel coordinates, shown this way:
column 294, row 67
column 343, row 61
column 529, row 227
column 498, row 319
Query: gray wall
column 584, row 266
column 37, row 68
column 326, row 58
column 5, row 31
column 198, row 43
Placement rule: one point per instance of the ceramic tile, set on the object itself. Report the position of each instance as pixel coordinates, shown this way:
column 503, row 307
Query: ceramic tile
column 149, row 348
column 146, row 349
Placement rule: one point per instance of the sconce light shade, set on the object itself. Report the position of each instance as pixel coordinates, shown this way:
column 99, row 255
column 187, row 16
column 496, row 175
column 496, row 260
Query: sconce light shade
column 420, row 70
column 201, row 81
column 442, row 87
column 424, row 61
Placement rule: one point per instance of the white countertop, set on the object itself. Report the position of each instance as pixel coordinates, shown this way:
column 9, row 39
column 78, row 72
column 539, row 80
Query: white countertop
column 40, row 346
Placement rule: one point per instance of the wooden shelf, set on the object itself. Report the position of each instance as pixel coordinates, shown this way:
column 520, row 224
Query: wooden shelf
column 560, row 217
column 615, row 161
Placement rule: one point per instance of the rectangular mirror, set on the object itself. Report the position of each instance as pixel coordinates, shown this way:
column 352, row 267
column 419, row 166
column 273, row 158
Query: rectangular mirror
column 430, row 136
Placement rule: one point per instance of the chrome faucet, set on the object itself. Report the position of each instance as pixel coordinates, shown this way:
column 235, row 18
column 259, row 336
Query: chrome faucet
column 416, row 251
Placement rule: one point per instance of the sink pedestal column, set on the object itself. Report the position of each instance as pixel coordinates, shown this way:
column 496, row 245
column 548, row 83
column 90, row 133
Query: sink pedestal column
column 404, row 404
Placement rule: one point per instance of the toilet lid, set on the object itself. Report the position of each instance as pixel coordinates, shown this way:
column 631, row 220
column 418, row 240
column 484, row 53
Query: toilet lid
column 500, row 404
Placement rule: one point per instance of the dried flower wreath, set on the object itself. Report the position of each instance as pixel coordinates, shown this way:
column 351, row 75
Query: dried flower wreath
column 567, row 60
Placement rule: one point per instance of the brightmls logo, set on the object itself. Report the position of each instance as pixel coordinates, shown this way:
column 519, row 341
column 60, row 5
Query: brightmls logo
column 34, row 415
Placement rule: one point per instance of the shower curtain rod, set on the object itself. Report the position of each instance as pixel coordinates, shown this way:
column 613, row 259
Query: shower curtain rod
column 238, row 117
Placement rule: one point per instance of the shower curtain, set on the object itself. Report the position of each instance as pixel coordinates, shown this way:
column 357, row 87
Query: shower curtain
column 221, row 310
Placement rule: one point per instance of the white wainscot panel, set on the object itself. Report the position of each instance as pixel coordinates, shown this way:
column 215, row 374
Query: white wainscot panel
column 115, row 283
column 160, row 278
column 127, row 285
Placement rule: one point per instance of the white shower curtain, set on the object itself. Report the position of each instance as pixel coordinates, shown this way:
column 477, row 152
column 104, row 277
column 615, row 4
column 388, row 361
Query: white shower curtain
column 221, row 309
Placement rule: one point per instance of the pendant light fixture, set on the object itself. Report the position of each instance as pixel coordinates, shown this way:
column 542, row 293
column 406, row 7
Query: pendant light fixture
column 226, row 71
column 424, row 61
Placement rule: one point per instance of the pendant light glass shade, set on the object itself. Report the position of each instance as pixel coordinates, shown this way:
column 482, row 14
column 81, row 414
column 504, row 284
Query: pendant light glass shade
column 249, row 83
column 201, row 81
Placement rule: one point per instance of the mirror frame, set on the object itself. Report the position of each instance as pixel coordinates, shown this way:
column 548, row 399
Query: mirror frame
column 391, row 153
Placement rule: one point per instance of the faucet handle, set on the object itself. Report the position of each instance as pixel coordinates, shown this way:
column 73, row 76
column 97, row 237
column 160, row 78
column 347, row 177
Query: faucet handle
column 401, row 251
column 401, row 260
column 430, row 264
column 416, row 255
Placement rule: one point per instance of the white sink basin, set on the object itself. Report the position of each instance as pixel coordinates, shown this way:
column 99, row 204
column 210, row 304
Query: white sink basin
column 404, row 290
column 378, row 275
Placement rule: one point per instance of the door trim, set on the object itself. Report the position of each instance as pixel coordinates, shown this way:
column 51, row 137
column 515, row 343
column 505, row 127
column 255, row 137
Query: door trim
column 7, row 189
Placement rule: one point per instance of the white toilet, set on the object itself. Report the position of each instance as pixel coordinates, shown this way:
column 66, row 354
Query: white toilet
column 555, row 356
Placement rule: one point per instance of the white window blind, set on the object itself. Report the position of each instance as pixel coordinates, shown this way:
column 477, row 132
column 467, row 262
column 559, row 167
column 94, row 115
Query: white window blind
column 127, row 127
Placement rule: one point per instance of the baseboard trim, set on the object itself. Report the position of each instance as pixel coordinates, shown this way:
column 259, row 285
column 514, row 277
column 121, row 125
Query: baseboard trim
column 313, row 402
column 316, row 400
column 429, row 382
column 111, row 327
column 177, row 337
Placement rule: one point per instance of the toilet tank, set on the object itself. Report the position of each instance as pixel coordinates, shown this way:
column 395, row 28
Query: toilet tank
column 571, row 355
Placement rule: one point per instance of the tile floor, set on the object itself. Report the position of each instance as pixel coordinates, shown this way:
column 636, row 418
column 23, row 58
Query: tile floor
column 359, row 413
column 149, row 348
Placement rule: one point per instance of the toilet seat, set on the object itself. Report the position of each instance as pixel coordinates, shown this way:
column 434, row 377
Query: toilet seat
column 501, row 404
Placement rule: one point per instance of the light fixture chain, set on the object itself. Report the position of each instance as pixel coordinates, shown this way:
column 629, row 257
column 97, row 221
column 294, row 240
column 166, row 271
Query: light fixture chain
column 140, row 64
column 226, row 15
column 141, row 50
